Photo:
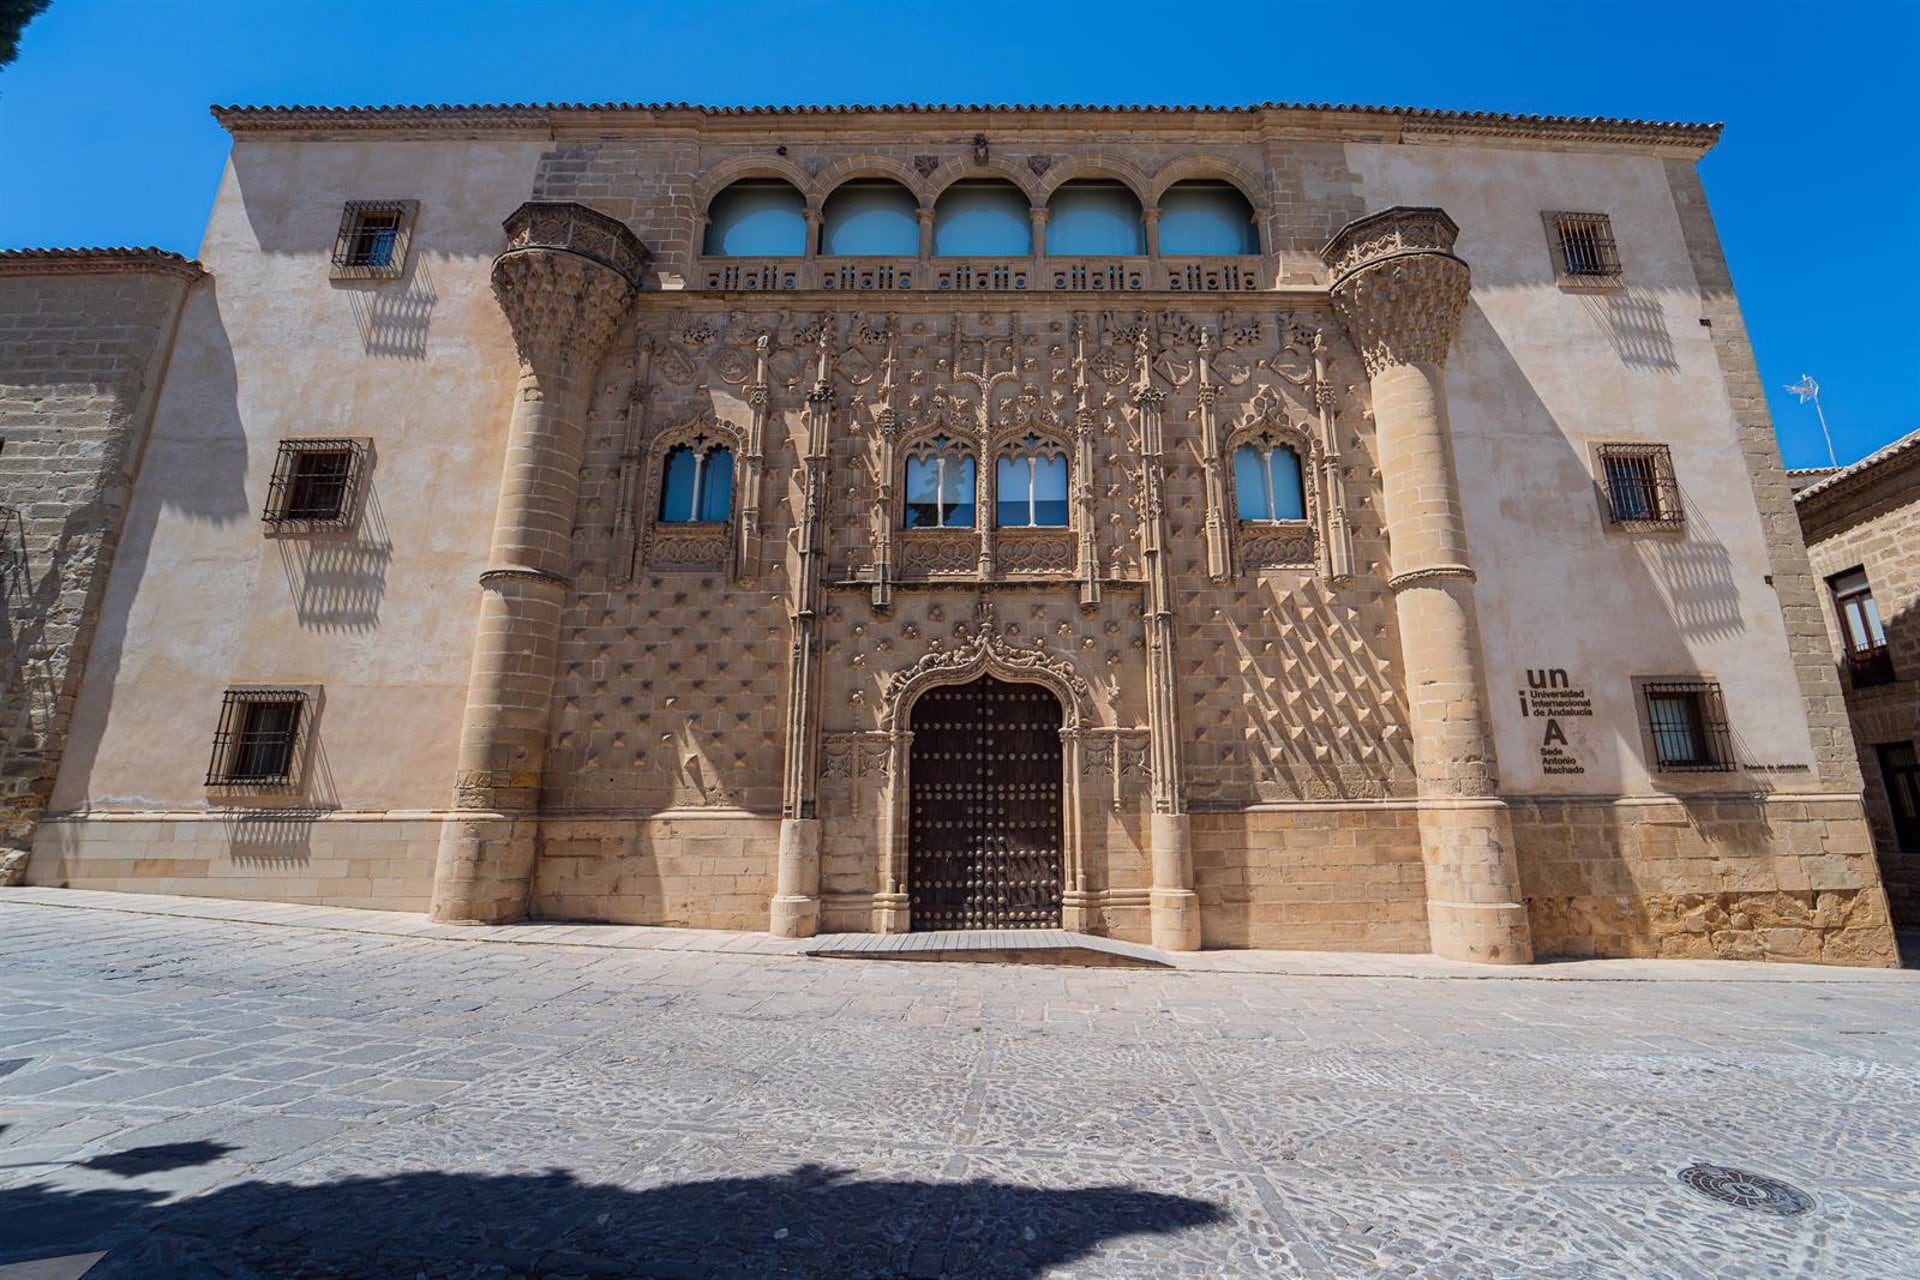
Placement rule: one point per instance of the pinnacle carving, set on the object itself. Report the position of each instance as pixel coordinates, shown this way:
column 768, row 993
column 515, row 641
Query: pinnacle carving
column 1397, row 288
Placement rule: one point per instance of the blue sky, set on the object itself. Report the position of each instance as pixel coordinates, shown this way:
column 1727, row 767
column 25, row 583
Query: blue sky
column 105, row 138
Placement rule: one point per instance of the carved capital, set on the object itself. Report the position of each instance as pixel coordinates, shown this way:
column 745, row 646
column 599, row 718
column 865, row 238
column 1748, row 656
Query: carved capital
column 565, row 282
column 1397, row 287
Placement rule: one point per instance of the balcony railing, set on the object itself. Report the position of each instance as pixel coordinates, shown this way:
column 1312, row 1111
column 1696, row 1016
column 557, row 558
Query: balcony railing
column 1870, row 667
column 989, row 275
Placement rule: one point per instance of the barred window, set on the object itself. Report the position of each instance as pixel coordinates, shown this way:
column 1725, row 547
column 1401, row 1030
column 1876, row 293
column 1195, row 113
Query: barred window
column 1639, row 483
column 315, row 485
column 1687, row 721
column 372, row 243
column 1584, row 247
column 697, row 484
column 940, row 485
column 1267, row 482
column 259, row 739
column 1030, row 485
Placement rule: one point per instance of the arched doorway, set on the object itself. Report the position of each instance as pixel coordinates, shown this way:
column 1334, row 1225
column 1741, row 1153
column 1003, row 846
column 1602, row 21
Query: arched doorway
column 984, row 819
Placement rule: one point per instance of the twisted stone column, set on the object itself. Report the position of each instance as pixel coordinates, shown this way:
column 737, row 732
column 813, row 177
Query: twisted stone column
column 1399, row 291
column 565, row 282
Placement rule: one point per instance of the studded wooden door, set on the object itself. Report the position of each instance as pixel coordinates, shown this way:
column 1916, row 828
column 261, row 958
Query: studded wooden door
column 984, row 828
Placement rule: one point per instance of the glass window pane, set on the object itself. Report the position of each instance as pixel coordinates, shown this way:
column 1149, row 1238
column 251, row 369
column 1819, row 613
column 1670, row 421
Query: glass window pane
column 1050, row 491
column 982, row 219
column 923, row 493
column 1012, row 493
column 1094, row 218
column 956, row 498
column 676, row 493
column 757, row 219
column 1676, row 728
column 878, row 218
column 1876, row 634
column 1206, row 217
column 1289, row 498
column 1249, row 484
column 716, row 486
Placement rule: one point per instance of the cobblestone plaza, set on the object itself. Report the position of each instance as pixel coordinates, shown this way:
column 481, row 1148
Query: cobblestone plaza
column 359, row 1094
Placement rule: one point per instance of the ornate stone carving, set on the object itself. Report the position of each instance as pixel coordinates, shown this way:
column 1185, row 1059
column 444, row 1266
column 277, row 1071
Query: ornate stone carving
column 984, row 653
column 1397, row 287
column 1035, row 550
column 1282, row 544
column 939, row 551
column 565, row 281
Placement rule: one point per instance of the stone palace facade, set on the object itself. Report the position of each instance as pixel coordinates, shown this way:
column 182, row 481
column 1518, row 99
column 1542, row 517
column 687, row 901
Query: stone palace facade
column 1284, row 526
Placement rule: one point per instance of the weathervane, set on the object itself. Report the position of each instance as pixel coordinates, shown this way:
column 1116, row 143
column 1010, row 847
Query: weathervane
column 1807, row 389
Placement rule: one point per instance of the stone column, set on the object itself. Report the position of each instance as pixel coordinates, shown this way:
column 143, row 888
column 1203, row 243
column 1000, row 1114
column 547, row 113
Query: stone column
column 1399, row 291
column 565, row 281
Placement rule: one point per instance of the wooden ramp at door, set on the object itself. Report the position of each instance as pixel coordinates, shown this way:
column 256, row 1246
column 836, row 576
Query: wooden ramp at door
column 990, row 946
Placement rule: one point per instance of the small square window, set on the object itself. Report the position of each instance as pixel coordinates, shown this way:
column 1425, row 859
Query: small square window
column 1639, row 484
column 315, row 485
column 258, row 744
column 372, row 244
column 1583, row 248
column 1687, row 724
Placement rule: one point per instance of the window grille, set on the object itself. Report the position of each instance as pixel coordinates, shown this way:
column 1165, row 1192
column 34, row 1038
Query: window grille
column 1687, row 720
column 1586, row 248
column 372, row 243
column 1863, row 637
column 1639, row 483
column 259, row 741
column 1900, row 774
column 315, row 485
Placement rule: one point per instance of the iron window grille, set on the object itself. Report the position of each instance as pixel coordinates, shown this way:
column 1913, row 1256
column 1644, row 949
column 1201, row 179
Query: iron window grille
column 1640, row 487
column 1862, row 636
column 372, row 243
column 1584, row 247
column 261, row 740
column 1687, row 722
column 316, row 484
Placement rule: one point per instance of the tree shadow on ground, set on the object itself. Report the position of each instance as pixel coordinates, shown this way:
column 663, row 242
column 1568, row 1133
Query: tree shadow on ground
column 813, row 1221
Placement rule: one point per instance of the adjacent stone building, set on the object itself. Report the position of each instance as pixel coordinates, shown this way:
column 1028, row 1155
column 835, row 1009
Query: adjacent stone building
column 1863, row 535
column 1278, row 526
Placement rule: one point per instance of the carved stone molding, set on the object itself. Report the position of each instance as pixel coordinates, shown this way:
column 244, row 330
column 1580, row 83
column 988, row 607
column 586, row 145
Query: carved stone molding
column 1397, row 287
column 986, row 653
column 565, row 282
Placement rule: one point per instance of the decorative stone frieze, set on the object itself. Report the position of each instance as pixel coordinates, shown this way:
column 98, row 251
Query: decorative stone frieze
column 1397, row 287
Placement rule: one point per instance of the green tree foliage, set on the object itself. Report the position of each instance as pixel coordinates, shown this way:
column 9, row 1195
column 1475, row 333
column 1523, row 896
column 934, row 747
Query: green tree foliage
column 14, row 17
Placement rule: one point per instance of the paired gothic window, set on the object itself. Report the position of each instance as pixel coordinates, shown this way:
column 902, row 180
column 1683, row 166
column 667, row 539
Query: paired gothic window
column 878, row 219
column 1210, row 218
column 984, row 219
column 1267, row 481
column 697, row 485
column 1030, row 485
column 1095, row 219
column 940, row 485
column 757, row 218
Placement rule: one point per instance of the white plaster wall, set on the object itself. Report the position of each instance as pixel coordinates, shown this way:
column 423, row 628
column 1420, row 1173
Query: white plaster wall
column 271, row 347
column 1537, row 375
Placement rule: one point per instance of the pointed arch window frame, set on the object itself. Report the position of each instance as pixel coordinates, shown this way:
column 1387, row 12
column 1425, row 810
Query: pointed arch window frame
column 941, row 447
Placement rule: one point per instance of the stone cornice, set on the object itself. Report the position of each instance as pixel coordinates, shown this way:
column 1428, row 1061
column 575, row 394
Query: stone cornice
column 1903, row 454
column 1379, row 123
column 113, row 261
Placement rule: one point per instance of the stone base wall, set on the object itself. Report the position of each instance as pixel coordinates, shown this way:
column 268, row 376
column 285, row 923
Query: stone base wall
column 1311, row 879
column 693, row 870
column 1720, row 878
column 376, row 861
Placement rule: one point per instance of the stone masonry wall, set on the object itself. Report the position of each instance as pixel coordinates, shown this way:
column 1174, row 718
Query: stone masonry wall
column 84, row 340
column 1874, row 524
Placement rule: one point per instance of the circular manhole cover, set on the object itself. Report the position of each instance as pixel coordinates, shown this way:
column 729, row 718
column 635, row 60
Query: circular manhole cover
column 1747, row 1190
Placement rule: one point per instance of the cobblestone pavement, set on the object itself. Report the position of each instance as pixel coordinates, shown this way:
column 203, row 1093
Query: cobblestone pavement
column 210, row 1098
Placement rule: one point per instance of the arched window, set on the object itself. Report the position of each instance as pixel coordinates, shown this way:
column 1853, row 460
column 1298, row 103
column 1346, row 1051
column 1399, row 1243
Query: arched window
column 697, row 486
column 939, row 485
column 1095, row 219
column 1030, row 485
column 757, row 218
column 1207, row 218
column 877, row 218
column 982, row 219
column 1266, row 480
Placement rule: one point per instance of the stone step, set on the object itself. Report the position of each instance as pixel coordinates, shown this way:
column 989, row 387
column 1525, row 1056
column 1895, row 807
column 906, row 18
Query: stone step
column 990, row 946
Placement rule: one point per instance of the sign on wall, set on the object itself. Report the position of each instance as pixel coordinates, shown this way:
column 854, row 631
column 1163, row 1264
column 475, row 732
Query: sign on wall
column 1547, row 701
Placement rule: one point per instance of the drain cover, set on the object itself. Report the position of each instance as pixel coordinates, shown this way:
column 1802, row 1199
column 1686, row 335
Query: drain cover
column 1747, row 1190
